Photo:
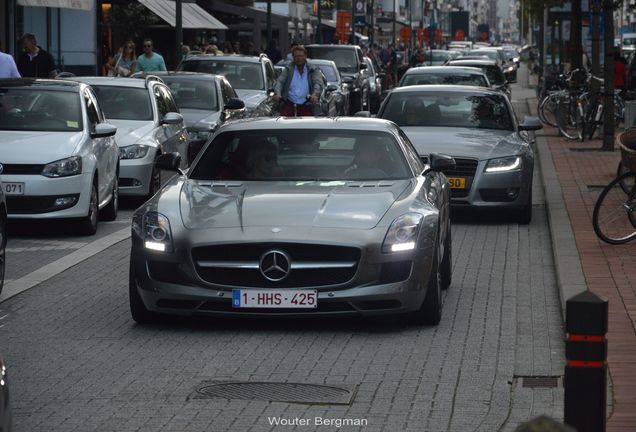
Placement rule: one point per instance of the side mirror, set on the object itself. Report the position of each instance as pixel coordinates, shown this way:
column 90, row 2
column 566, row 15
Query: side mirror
column 234, row 104
column 440, row 162
column 168, row 161
column 363, row 66
column 530, row 124
column 172, row 118
column 363, row 114
column 331, row 87
column 104, row 130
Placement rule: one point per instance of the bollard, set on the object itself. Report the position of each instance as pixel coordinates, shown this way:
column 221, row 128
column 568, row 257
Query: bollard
column 585, row 379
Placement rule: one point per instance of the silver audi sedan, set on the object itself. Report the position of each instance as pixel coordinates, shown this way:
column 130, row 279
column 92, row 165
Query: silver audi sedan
column 296, row 217
column 478, row 127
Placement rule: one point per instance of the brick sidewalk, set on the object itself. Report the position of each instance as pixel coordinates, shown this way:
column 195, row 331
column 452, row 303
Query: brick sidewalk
column 609, row 271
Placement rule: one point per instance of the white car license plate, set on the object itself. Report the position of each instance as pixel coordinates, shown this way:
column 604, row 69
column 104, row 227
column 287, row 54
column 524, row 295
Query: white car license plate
column 274, row 298
column 13, row 188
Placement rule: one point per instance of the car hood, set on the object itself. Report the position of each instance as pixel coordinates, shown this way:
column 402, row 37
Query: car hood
column 463, row 142
column 299, row 204
column 197, row 119
column 251, row 98
column 29, row 147
column 130, row 132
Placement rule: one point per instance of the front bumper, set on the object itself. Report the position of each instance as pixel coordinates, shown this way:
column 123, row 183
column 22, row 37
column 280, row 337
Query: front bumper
column 135, row 174
column 383, row 284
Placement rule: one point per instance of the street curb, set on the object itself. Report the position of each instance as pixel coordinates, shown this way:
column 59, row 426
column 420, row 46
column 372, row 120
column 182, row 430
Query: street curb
column 45, row 273
column 567, row 261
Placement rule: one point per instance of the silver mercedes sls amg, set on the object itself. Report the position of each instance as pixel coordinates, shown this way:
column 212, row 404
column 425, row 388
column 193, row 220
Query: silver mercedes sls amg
column 296, row 217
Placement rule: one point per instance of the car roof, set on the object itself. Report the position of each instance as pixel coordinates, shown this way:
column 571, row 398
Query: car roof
column 112, row 81
column 346, row 47
column 468, row 62
column 300, row 123
column 448, row 70
column 227, row 57
column 445, row 87
column 46, row 84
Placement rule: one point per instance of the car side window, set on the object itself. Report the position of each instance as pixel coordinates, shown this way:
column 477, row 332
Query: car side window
column 162, row 106
column 91, row 109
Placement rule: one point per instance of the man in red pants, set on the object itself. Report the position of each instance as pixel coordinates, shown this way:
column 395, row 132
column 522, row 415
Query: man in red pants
column 299, row 86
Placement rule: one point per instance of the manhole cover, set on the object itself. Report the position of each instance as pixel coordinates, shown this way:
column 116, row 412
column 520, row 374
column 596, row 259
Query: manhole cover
column 277, row 392
column 540, row 381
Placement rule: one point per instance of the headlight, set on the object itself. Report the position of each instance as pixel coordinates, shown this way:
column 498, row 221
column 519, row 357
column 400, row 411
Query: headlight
column 199, row 135
column 64, row 167
column 154, row 230
column 402, row 234
column 510, row 69
column 511, row 163
column 135, row 151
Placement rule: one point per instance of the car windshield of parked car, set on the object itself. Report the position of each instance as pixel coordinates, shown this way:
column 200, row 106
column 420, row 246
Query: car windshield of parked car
column 302, row 155
column 330, row 73
column 443, row 78
column 242, row 75
column 345, row 59
column 124, row 103
column 36, row 109
column 195, row 94
column 448, row 109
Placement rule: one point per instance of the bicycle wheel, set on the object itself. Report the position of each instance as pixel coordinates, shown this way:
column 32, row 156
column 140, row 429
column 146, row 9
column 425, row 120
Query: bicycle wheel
column 626, row 184
column 613, row 218
column 548, row 110
column 570, row 121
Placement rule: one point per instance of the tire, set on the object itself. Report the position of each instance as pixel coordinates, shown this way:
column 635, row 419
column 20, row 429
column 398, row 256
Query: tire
column 138, row 310
column 622, row 169
column 430, row 313
column 3, row 247
column 447, row 261
column 524, row 214
column 571, row 121
column 88, row 224
column 109, row 213
column 613, row 219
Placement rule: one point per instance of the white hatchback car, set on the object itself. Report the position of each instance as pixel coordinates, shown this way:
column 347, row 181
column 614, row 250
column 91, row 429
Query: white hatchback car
column 148, row 124
column 59, row 156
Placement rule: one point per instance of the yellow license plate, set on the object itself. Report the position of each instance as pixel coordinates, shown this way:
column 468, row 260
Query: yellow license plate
column 457, row 182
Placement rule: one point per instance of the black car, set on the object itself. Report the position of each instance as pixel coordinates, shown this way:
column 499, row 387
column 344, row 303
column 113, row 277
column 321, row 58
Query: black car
column 350, row 62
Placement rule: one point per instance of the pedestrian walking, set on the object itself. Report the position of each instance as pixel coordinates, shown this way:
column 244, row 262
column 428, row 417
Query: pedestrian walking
column 299, row 86
column 34, row 61
column 273, row 52
column 8, row 69
column 150, row 61
column 124, row 64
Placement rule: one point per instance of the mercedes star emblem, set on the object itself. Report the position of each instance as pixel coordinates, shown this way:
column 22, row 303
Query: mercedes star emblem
column 275, row 265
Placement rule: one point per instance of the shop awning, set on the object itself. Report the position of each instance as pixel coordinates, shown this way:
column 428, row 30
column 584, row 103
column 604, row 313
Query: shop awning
column 66, row 4
column 193, row 16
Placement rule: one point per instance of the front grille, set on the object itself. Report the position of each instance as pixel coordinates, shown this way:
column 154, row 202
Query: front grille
column 463, row 168
column 298, row 252
column 36, row 204
column 22, row 169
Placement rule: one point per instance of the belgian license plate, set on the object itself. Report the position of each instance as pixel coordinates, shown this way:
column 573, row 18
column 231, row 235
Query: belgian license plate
column 457, row 182
column 274, row 298
column 13, row 188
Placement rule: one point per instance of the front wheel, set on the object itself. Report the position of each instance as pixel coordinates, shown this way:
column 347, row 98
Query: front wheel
column 613, row 219
column 430, row 313
column 138, row 310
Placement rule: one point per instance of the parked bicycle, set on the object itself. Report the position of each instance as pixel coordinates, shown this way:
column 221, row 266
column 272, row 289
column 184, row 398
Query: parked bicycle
column 614, row 220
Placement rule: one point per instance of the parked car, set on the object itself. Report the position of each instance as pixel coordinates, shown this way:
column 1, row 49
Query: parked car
column 478, row 127
column 296, row 217
column 375, row 86
column 148, row 124
column 251, row 76
column 206, row 101
column 6, row 422
column 334, row 100
column 451, row 75
column 350, row 62
column 59, row 155
column 491, row 69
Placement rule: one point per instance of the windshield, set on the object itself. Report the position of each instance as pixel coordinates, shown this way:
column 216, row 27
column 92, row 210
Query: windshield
column 194, row 94
column 492, row 55
column 124, row 103
column 345, row 59
column 629, row 41
column 442, row 78
column 241, row 75
column 448, row 109
column 36, row 109
column 330, row 73
column 297, row 155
